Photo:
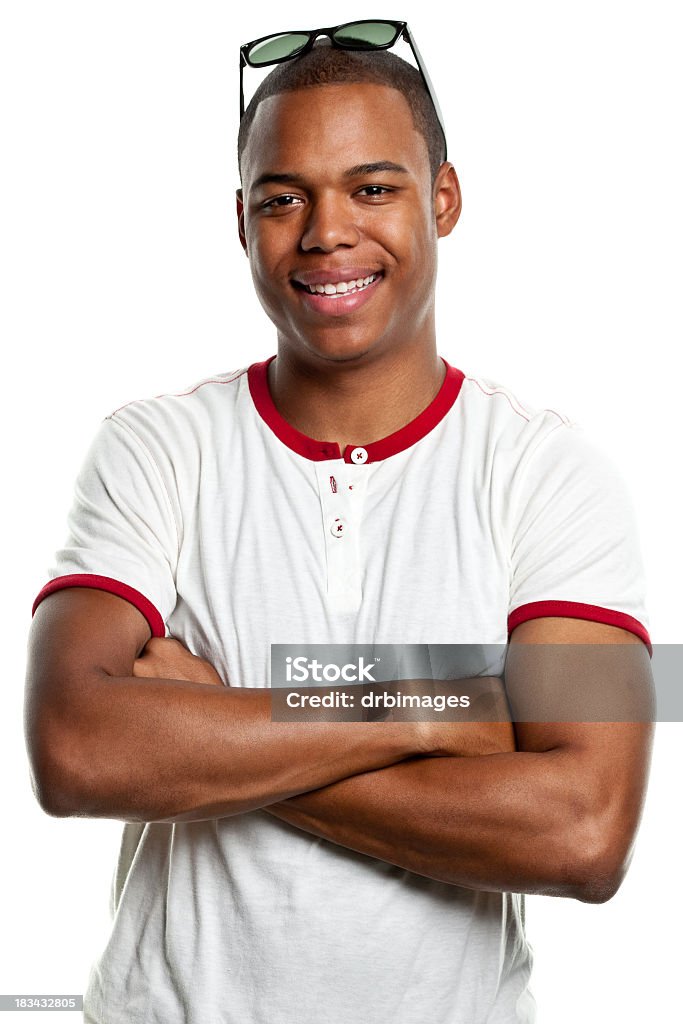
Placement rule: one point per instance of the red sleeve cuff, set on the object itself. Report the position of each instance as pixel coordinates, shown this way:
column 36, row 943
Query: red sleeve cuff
column 577, row 610
column 143, row 605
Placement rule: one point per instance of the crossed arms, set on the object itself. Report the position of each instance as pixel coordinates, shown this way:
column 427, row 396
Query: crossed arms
column 115, row 732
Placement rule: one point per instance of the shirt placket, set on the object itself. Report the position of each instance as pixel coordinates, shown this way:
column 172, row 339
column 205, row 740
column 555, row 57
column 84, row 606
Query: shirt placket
column 342, row 486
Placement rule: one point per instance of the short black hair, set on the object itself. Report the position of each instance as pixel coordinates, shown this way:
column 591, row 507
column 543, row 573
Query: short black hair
column 328, row 65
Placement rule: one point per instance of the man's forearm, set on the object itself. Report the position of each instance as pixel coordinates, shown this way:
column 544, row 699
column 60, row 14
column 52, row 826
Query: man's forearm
column 174, row 750
column 170, row 750
column 507, row 822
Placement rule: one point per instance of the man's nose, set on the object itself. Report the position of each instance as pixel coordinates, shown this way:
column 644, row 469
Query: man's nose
column 330, row 223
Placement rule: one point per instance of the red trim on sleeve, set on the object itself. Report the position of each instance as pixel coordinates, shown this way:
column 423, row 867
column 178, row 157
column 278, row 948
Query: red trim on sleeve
column 130, row 594
column 318, row 451
column 577, row 610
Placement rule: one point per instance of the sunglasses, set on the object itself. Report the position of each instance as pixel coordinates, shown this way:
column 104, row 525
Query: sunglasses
column 354, row 35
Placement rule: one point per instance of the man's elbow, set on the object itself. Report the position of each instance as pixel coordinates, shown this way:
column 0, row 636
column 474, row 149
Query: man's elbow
column 601, row 886
column 600, row 862
column 53, row 765
column 51, row 797
column 52, row 790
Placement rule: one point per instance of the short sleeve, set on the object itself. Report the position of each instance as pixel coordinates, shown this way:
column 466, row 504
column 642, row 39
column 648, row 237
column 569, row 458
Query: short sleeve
column 122, row 535
column 575, row 549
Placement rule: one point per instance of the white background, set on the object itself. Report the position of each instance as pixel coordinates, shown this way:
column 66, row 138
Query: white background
column 122, row 277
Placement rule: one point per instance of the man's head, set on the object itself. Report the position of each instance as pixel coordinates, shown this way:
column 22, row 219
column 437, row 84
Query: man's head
column 341, row 210
column 325, row 65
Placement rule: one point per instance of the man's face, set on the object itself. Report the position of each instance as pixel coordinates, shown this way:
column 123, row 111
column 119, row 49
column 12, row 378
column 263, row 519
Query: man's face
column 340, row 220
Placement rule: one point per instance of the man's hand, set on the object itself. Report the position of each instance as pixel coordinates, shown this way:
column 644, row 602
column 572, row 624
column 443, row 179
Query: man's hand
column 166, row 658
column 486, row 726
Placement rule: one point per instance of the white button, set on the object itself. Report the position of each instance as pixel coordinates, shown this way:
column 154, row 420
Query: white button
column 359, row 455
column 337, row 527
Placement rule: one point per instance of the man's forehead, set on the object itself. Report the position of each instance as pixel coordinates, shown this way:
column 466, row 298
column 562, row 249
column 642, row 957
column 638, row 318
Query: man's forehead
column 351, row 124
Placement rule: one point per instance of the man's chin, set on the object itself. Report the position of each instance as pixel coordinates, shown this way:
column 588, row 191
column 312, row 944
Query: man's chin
column 334, row 350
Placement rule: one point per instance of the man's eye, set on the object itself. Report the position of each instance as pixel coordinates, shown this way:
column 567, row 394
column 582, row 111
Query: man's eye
column 281, row 201
column 374, row 190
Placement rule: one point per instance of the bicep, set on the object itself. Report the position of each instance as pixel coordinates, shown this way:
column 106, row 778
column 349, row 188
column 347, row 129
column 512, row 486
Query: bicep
column 561, row 673
column 80, row 630
column 78, row 637
column 583, row 692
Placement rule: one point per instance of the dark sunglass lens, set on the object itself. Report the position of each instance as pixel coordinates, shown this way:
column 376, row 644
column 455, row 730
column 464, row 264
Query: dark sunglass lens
column 277, row 48
column 366, row 34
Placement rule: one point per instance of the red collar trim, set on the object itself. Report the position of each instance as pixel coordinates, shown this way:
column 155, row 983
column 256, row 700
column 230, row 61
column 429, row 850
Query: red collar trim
column 319, row 451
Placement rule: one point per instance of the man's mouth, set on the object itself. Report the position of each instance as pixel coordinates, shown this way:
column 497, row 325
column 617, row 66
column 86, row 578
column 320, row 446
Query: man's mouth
column 340, row 287
column 336, row 291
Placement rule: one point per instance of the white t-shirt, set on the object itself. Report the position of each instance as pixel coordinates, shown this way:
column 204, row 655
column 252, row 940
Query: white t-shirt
column 220, row 522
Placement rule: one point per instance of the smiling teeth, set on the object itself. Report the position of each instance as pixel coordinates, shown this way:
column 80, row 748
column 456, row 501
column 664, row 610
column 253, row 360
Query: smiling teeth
column 342, row 287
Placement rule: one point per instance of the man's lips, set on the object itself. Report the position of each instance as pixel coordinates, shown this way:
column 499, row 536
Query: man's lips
column 331, row 302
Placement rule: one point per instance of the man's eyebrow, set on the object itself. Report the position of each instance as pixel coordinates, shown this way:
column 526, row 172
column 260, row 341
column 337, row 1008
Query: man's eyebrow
column 380, row 165
column 278, row 179
column 290, row 178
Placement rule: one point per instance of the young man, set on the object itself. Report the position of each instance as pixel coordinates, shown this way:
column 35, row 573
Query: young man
column 354, row 488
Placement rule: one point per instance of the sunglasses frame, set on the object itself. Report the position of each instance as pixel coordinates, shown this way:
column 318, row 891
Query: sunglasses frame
column 401, row 31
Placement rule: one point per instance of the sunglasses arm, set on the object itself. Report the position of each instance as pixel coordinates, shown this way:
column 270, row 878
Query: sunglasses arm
column 428, row 82
column 242, row 64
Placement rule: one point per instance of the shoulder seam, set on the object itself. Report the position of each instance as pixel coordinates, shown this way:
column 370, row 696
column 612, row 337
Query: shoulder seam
column 182, row 394
column 514, row 403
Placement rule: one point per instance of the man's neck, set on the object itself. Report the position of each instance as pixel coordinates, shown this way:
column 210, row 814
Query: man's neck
column 354, row 403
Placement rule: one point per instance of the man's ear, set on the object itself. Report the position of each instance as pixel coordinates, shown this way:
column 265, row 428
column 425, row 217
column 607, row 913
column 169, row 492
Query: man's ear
column 240, row 220
column 447, row 199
